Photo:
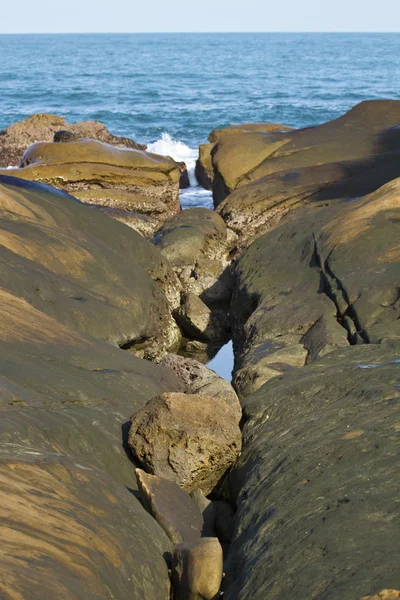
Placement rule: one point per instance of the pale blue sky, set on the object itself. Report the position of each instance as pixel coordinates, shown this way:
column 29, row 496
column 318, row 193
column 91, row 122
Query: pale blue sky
column 64, row 16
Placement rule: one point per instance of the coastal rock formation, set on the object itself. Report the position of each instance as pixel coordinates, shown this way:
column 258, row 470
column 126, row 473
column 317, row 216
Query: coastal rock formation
column 259, row 177
column 189, row 439
column 87, row 271
column 199, row 379
column 326, row 277
column 102, row 175
column 42, row 127
column 204, row 165
column 199, row 322
column 171, row 507
column 316, row 482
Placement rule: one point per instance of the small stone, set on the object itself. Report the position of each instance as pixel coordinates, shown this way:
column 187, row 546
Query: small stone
column 199, row 322
column 197, row 570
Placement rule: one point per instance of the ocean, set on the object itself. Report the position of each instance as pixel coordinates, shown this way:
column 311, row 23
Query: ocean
column 170, row 90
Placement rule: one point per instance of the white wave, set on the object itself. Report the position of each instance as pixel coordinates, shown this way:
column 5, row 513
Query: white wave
column 178, row 151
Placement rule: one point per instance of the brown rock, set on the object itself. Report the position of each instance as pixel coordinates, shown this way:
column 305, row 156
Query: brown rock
column 204, row 170
column 384, row 595
column 189, row 439
column 171, row 507
column 198, row 321
column 197, row 570
column 43, row 127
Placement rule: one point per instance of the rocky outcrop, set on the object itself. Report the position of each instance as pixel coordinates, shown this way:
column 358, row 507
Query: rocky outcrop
column 259, row 177
column 101, row 175
column 316, row 483
column 42, row 127
column 324, row 279
column 189, row 439
column 199, row 379
column 199, row 322
column 87, row 271
column 171, row 507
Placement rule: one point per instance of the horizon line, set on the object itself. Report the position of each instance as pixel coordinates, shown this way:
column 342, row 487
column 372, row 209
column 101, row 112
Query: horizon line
column 186, row 32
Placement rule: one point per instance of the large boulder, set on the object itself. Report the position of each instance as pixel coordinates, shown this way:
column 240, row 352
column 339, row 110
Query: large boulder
column 324, row 278
column 106, row 176
column 316, row 484
column 260, row 177
column 189, row 439
column 84, row 269
column 42, row 128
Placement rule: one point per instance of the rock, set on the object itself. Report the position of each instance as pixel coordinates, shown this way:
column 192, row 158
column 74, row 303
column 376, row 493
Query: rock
column 103, row 175
column 218, row 517
column 187, row 438
column 199, row 379
column 171, row 507
column 199, row 322
column 184, row 181
column 204, row 170
column 232, row 130
column 316, row 484
column 322, row 279
column 200, row 351
column 384, row 595
column 197, row 570
column 259, row 178
column 89, row 272
column 143, row 224
column 43, row 127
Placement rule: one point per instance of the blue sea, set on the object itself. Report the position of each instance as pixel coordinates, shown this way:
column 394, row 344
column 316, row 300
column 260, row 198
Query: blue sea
column 170, row 90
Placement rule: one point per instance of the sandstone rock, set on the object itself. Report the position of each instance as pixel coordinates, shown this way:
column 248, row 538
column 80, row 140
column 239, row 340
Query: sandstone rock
column 320, row 280
column 384, row 595
column 85, row 270
column 198, row 321
column 42, row 127
column 197, row 570
column 199, row 379
column 204, row 170
column 316, row 506
column 189, row 439
column 103, row 175
column 217, row 134
column 270, row 175
column 171, row 507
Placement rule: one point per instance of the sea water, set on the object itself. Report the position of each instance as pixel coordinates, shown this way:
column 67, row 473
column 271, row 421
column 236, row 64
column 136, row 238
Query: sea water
column 170, row 90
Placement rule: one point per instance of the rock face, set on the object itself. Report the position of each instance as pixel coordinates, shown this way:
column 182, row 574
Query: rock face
column 197, row 570
column 316, row 481
column 87, row 271
column 171, row 507
column 199, row 379
column 42, row 127
column 324, row 279
column 189, row 439
column 271, row 174
column 199, row 322
column 102, row 175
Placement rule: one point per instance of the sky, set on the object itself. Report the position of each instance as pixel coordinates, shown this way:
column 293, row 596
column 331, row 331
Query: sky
column 115, row 16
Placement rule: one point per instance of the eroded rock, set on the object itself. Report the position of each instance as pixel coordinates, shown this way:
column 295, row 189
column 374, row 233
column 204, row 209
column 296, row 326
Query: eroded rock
column 200, row 322
column 197, row 570
column 189, row 439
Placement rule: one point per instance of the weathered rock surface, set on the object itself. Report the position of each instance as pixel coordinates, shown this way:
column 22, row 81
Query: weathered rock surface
column 199, row 322
column 189, row 439
column 199, row 379
column 171, row 507
column 197, row 570
column 103, row 175
column 324, row 278
column 85, row 270
column 384, row 595
column 270, row 174
column 42, row 127
column 204, row 170
column 316, row 481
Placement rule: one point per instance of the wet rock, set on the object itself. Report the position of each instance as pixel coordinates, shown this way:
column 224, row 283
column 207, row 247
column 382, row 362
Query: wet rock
column 199, row 379
column 316, row 484
column 320, row 280
column 184, row 181
column 267, row 176
column 198, row 321
column 43, row 127
column 197, row 570
column 103, row 175
column 187, row 438
column 171, row 507
column 87, row 271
